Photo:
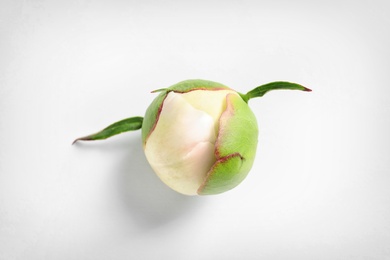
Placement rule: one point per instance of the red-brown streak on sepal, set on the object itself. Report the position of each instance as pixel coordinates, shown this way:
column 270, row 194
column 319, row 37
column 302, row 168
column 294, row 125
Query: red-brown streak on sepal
column 157, row 118
column 219, row 161
column 227, row 157
column 229, row 111
column 205, row 89
column 233, row 158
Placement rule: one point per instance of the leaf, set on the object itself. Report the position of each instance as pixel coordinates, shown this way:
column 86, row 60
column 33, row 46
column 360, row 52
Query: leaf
column 125, row 125
column 261, row 90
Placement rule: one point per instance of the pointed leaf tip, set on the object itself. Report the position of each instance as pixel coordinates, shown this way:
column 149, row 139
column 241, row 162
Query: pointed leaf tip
column 85, row 138
column 261, row 90
column 158, row 90
column 125, row 125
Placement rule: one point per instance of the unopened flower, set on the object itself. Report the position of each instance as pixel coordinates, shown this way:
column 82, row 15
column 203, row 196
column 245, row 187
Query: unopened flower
column 199, row 136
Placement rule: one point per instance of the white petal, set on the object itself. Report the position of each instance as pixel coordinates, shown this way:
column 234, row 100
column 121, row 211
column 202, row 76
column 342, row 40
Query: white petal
column 181, row 147
column 213, row 102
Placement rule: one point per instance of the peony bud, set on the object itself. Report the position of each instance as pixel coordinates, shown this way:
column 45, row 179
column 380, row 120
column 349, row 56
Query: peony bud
column 199, row 136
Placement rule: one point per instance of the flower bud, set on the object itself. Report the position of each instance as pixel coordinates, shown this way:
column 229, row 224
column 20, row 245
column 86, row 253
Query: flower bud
column 199, row 136
column 203, row 140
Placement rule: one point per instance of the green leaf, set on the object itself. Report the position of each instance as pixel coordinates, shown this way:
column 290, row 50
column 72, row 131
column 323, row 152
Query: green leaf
column 261, row 90
column 125, row 125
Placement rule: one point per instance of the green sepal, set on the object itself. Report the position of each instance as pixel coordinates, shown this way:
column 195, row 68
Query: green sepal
column 196, row 84
column 261, row 90
column 159, row 90
column 225, row 174
column 151, row 115
column 125, row 125
column 235, row 147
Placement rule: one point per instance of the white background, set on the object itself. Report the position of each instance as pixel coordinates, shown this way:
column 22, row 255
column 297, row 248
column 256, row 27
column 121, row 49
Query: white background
column 319, row 188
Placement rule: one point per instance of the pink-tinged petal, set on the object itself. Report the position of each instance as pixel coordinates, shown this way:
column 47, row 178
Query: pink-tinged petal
column 181, row 147
column 211, row 102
